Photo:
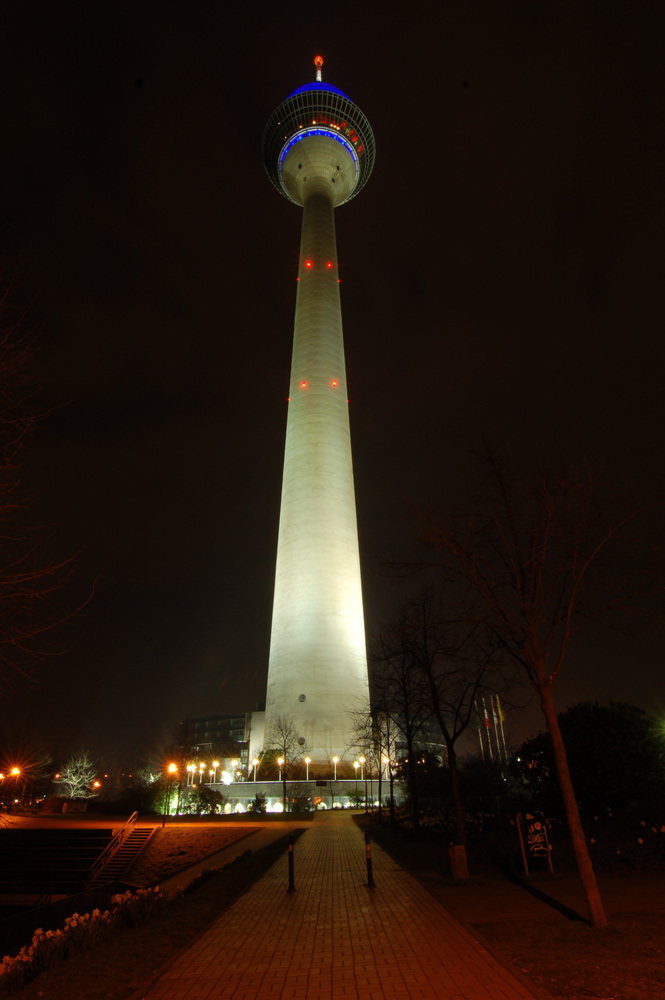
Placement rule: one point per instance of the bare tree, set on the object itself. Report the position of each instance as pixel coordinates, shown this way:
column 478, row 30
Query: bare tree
column 283, row 743
column 456, row 662
column 531, row 555
column 398, row 695
column 77, row 777
column 375, row 737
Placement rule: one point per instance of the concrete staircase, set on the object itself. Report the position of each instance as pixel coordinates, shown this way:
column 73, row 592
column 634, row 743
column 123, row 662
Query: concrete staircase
column 123, row 858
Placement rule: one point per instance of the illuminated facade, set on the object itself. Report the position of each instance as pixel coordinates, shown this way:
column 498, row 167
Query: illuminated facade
column 319, row 152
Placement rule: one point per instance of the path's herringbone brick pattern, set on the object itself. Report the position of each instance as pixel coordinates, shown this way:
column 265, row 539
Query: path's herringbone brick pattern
column 334, row 938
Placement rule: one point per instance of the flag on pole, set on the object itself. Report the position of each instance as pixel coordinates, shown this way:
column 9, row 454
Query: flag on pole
column 488, row 727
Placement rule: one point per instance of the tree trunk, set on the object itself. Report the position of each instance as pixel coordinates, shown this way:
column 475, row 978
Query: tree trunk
column 380, row 779
column 413, row 783
column 594, row 903
column 457, row 798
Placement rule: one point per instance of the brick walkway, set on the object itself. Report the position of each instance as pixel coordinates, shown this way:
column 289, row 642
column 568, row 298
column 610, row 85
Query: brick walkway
column 334, row 938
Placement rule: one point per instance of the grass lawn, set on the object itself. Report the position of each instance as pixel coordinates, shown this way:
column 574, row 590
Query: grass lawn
column 625, row 961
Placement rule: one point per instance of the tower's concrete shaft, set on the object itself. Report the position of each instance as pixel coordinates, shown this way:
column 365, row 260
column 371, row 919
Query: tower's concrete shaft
column 319, row 152
column 318, row 669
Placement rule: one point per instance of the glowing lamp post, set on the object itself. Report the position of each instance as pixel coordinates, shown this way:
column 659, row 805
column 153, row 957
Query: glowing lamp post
column 215, row 765
column 308, row 761
column 255, row 764
column 356, row 765
column 15, row 773
column 170, row 772
column 280, row 761
column 335, row 762
column 362, row 777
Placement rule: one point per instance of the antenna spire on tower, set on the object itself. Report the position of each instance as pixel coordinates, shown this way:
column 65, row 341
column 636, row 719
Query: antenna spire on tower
column 318, row 62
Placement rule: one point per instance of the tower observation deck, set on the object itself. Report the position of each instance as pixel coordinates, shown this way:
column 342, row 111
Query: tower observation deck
column 318, row 152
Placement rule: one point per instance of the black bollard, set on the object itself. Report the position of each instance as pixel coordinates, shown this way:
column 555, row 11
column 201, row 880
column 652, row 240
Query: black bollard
column 292, row 887
column 368, row 853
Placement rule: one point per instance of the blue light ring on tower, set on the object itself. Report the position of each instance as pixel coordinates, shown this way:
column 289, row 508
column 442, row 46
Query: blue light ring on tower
column 306, row 107
column 312, row 130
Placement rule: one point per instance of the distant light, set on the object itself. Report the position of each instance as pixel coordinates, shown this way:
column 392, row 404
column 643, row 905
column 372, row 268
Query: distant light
column 329, row 265
column 303, row 385
column 334, row 383
column 308, row 263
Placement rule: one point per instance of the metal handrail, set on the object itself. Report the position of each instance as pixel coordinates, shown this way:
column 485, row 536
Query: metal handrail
column 114, row 845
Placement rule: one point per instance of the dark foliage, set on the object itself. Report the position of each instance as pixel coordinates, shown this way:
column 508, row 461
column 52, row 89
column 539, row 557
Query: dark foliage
column 616, row 756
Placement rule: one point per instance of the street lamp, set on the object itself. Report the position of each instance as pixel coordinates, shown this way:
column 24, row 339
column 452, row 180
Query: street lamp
column 308, row 761
column 171, row 771
column 201, row 769
column 362, row 777
column 255, row 764
column 280, row 761
column 15, row 773
column 335, row 762
column 356, row 765
column 215, row 764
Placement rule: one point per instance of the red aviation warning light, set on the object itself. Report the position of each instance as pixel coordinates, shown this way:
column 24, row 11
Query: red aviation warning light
column 318, row 62
column 308, row 264
column 334, row 383
column 303, row 385
column 330, row 265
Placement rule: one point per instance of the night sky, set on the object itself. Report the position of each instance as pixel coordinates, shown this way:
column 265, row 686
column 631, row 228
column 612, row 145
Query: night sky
column 501, row 279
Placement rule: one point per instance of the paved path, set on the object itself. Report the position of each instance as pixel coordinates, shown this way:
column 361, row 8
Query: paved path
column 335, row 939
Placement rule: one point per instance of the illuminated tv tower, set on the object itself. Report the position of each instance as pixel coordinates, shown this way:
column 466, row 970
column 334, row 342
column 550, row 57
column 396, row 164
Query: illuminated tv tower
column 319, row 151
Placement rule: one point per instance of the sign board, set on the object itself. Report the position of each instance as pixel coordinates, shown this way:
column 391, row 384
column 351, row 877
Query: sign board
column 534, row 841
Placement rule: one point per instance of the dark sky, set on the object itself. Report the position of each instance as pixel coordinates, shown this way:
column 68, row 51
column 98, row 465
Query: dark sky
column 501, row 277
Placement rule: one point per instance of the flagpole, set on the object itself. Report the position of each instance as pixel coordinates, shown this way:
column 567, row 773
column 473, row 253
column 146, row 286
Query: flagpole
column 480, row 732
column 503, row 735
column 488, row 726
